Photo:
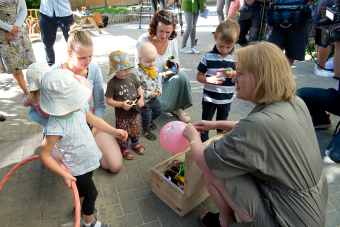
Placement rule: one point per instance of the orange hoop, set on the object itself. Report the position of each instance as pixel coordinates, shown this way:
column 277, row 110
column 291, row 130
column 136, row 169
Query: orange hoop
column 73, row 185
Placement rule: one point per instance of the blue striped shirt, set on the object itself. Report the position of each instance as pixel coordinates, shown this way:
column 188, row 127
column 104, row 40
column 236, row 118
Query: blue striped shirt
column 210, row 63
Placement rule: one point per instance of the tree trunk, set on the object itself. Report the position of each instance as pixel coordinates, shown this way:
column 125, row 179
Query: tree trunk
column 106, row 4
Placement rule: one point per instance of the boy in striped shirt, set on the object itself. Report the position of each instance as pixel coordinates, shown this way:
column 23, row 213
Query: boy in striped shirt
column 218, row 90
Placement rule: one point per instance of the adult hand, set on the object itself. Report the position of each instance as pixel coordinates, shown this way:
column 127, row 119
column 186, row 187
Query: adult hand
column 203, row 126
column 120, row 134
column 215, row 79
column 190, row 133
column 9, row 37
column 68, row 178
column 15, row 30
column 177, row 65
column 158, row 93
column 205, row 5
column 125, row 105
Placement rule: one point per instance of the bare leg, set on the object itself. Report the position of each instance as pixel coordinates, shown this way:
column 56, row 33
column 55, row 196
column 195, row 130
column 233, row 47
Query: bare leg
column 20, row 79
column 112, row 157
column 322, row 54
column 223, row 201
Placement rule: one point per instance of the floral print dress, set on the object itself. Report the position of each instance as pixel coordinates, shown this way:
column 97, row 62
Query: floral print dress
column 17, row 54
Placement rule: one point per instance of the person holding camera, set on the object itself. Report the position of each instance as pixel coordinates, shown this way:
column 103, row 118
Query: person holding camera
column 322, row 53
column 320, row 100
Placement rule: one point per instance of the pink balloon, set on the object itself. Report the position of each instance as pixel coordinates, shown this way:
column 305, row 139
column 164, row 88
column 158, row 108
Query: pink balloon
column 87, row 84
column 171, row 137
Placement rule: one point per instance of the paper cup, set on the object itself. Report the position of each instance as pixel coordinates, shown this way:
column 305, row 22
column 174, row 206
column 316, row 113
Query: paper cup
column 220, row 73
column 205, row 13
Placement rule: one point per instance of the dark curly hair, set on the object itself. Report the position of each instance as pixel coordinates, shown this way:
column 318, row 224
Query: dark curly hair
column 167, row 18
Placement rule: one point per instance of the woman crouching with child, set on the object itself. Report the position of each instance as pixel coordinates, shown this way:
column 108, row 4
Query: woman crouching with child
column 80, row 52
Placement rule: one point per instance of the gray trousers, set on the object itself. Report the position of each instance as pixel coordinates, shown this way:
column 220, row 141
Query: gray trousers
column 191, row 20
column 219, row 9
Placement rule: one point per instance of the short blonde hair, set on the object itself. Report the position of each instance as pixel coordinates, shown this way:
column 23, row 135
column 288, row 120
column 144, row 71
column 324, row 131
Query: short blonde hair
column 228, row 31
column 78, row 36
column 271, row 71
column 146, row 47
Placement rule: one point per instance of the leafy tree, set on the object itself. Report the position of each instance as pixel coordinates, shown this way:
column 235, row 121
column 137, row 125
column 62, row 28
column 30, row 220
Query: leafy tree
column 33, row 4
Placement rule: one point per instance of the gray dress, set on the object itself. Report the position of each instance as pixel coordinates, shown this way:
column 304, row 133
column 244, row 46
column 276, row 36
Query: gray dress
column 17, row 54
column 272, row 167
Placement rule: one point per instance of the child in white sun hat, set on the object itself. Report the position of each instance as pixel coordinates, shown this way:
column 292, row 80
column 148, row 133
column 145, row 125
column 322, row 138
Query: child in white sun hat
column 64, row 97
column 34, row 73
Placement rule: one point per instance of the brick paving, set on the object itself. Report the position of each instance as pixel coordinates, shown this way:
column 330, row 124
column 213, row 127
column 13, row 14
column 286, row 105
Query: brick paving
column 35, row 196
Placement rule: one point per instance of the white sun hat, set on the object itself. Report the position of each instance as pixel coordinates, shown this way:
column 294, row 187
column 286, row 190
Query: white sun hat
column 61, row 92
column 34, row 73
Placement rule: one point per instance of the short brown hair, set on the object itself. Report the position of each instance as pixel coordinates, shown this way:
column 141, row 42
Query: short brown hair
column 271, row 71
column 166, row 17
column 228, row 31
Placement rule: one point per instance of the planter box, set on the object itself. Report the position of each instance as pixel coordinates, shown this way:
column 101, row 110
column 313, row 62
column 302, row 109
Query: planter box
column 194, row 193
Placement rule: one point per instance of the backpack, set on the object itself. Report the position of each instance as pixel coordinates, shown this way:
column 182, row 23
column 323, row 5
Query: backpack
column 286, row 13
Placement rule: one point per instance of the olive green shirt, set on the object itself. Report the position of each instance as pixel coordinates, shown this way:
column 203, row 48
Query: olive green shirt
column 272, row 166
column 192, row 6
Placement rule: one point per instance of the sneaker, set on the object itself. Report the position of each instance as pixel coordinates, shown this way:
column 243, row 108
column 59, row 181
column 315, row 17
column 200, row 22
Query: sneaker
column 95, row 223
column 322, row 72
column 328, row 124
column 330, row 63
column 186, row 50
column 195, row 50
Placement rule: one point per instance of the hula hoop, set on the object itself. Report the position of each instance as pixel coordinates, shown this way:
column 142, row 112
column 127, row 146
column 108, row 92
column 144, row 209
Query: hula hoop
column 73, row 185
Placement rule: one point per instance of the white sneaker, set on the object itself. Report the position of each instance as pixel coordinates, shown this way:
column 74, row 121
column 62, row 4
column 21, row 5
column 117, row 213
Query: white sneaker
column 330, row 63
column 186, row 50
column 322, row 72
column 195, row 50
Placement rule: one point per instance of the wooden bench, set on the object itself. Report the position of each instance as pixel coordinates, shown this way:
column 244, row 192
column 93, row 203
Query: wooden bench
column 83, row 19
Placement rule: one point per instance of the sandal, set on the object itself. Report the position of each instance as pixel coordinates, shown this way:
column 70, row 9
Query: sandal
column 150, row 135
column 210, row 219
column 153, row 126
column 126, row 152
column 138, row 147
column 182, row 116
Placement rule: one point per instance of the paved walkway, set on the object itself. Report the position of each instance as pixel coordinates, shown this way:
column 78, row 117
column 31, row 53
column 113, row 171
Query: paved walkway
column 35, row 196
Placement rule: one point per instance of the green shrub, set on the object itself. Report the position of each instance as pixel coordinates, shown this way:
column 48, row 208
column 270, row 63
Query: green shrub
column 33, row 4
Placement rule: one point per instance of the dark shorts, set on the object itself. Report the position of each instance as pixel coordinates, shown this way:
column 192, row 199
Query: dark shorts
column 293, row 39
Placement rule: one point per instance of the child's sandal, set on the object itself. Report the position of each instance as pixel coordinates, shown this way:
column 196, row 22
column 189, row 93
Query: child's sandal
column 126, row 153
column 150, row 135
column 153, row 126
column 138, row 147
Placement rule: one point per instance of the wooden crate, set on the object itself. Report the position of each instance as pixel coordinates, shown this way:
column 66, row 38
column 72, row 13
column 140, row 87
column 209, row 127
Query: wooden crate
column 194, row 193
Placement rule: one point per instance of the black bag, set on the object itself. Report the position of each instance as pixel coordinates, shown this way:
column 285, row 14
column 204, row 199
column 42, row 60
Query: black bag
column 286, row 13
column 105, row 20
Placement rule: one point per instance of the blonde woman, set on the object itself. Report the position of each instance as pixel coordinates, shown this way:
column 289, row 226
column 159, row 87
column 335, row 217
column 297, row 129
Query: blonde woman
column 80, row 52
column 267, row 169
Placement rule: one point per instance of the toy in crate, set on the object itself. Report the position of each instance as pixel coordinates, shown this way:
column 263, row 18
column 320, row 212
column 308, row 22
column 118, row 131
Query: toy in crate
column 84, row 11
column 175, row 173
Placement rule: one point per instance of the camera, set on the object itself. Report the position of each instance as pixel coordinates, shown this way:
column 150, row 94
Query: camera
column 323, row 37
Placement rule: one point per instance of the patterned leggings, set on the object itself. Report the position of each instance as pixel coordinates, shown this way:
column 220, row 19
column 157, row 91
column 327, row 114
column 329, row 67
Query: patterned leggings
column 131, row 126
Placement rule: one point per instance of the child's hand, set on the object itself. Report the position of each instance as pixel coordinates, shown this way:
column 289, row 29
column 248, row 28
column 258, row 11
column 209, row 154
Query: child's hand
column 120, row 134
column 153, row 94
column 125, row 105
column 140, row 103
column 68, row 178
column 229, row 74
column 169, row 73
column 215, row 79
